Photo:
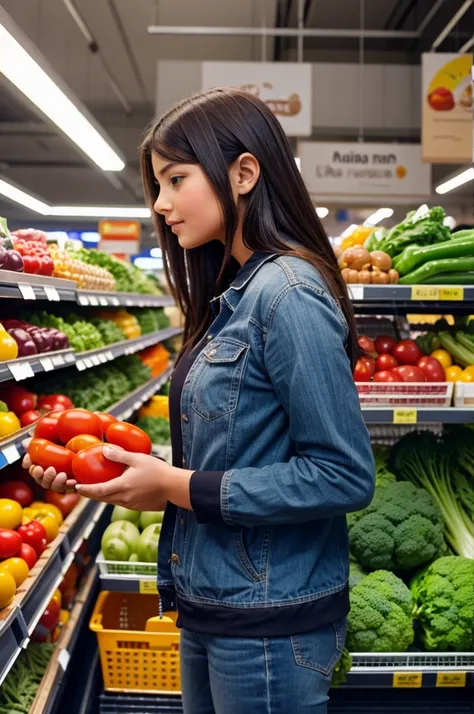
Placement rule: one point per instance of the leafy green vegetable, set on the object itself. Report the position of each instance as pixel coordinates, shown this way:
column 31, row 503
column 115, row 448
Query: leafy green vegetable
column 381, row 616
column 427, row 462
column 137, row 373
column 400, row 530
column 150, row 319
column 128, row 278
column 444, row 604
column 417, row 229
column 19, row 689
column 109, row 330
column 157, row 428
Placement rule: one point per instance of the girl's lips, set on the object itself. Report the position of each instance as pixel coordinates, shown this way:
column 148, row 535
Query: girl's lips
column 176, row 225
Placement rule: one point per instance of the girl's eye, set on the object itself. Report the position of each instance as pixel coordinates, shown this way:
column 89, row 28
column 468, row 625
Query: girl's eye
column 175, row 180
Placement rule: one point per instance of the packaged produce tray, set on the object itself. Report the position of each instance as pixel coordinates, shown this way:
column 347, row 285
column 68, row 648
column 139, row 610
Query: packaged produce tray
column 119, row 567
column 139, row 652
column 464, row 394
column 405, row 394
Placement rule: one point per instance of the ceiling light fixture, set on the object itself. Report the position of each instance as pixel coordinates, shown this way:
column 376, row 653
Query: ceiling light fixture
column 322, row 211
column 378, row 216
column 456, row 181
column 14, row 193
column 19, row 66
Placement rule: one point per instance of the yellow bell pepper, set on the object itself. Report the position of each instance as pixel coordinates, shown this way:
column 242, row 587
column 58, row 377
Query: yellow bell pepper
column 8, row 346
column 158, row 406
column 9, row 423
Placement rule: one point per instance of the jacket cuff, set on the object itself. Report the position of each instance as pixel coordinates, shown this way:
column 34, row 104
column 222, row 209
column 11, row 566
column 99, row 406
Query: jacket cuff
column 205, row 492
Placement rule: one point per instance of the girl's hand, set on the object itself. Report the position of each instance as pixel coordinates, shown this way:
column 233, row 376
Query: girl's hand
column 48, row 478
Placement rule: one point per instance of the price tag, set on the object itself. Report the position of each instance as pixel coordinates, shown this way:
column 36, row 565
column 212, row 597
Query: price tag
column 451, row 679
column 103, row 301
column 69, row 357
column 88, row 362
column 11, row 453
column 51, row 293
column 356, row 292
column 129, row 303
column 148, row 586
column 405, row 416
column 102, row 358
column 80, row 365
column 47, row 364
column 137, row 405
column 95, row 360
column 407, row 680
column 451, row 293
column 21, row 370
column 110, row 355
column 141, row 303
column 93, row 300
column 27, row 291
column 58, row 360
column 115, row 301
column 425, row 292
column 83, row 300
column 63, row 659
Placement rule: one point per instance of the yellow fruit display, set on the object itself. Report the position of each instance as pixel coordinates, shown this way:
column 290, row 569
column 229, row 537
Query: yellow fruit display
column 453, row 373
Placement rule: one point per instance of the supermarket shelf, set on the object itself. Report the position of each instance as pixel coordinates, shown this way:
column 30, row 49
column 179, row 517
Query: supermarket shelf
column 105, row 299
column 54, row 678
column 92, row 358
column 25, row 367
column 18, row 620
column 420, row 415
column 24, row 286
column 385, row 299
column 128, row 583
column 125, row 407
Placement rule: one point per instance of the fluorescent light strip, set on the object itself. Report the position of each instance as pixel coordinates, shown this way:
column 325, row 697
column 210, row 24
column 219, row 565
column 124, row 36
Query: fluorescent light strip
column 27, row 75
column 456, row 181
column 25, row 199
column 378, row 216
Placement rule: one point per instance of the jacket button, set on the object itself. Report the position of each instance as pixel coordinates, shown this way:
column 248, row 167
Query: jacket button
column 185, row 418
column 184, row 463
column 209, row 337
column 175, row 558
column 212, row 353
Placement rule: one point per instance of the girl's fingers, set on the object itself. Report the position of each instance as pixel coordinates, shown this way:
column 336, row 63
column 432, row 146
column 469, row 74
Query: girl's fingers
column 48, row 477
column 26, row 463
column 37, row 473
column 59, row 483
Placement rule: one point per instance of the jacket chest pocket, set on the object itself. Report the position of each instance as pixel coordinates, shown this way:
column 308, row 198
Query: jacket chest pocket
column 218, row 377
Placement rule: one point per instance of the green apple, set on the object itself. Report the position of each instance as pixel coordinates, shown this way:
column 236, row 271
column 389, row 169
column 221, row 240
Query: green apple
column 125, row 514
column 148, row 518
column 120, row 540
column 147, row 546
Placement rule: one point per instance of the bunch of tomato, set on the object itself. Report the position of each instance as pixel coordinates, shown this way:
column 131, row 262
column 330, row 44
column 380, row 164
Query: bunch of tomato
column 71, row 442
column 33, row 248
column 389, row 360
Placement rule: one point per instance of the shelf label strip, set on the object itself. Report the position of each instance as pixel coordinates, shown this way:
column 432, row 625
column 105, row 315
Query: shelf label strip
column 47, row 364
column 21, row 370
column 27, row 291
column 407, row 680
column 451, row 679
column 11, row 453
column 51, row 293
column 148, row 586
column 405, row 416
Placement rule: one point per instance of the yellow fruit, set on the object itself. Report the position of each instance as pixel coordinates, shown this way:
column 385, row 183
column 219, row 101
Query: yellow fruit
column 11, row 513
column 453, row 373
column 49, row 508
column 7, row 588
column 469, row 370
column 29, row 514
column 64, row 616
column 443, row 357
column 17, row 568
column 466, row 376
column 57, row 597
column 50, row 524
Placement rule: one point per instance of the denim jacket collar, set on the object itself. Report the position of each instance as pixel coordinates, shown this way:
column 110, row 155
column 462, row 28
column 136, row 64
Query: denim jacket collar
column 243, row 277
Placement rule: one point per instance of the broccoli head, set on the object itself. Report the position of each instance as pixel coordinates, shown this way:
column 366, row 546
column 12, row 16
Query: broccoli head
column 381, row 616
column 444, row 604
column 356, row 574
column 400, row 530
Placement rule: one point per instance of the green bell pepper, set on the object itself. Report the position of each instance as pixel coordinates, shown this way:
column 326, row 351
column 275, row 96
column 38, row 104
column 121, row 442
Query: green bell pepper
column 434, row 267
column 413, row 256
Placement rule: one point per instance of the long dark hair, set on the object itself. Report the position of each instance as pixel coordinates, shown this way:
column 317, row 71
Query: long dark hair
column 212, row 129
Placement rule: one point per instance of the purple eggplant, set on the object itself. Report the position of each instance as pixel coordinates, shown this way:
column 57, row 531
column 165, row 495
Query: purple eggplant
column 14, row 262
column 47, row 333
column 61, row 341
column 37, row 338
column 26, row 346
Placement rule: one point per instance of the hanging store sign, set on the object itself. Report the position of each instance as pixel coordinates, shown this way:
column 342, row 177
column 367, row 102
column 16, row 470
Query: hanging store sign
column 360, row 169
column 447, row 108
column 285, row 87
column 119, row 237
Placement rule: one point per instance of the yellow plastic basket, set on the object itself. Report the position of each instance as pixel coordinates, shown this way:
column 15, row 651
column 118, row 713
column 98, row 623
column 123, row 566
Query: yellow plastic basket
column 139, row 652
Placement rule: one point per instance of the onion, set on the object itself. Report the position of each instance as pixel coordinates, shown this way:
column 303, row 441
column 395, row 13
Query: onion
column 365, row 277
column 393, row 276
column 381, row 260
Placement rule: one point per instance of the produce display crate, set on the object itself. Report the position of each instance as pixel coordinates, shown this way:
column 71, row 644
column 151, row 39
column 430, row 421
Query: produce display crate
column 405, row 394
column 464, row 394
column 119, row 567
column 138, row 652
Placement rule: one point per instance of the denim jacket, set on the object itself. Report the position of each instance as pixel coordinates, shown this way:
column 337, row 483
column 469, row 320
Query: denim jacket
column 271, row 424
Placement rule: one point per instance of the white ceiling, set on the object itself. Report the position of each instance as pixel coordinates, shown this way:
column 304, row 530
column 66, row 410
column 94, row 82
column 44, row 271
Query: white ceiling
column 35, row 157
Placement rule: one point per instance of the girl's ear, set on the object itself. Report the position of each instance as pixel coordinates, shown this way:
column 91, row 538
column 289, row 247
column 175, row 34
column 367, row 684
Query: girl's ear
column 244, row 174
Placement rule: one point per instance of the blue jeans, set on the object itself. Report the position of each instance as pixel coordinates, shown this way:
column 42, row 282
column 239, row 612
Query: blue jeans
column 275, row 675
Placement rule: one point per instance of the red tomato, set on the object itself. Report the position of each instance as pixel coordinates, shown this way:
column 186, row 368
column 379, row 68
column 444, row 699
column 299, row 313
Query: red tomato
column 32, row 263
column 64, row 501
column 432, row 369
column 50, row 617
column 47, row 427
column 45, row 454
column 34, row 534
column 106, row 420
column 55, row 399
column 10, row 542
column 409, row 373
column 363, row 371
column 407, row 352
column 29, row 417
column 384, row 344
column 385, row 362
column 91, row 466
column 28, row 554
column 17, row 491
column 74, row 422
column 385, row 376
column 47, row 265
column 82, row 441
column 129, row 437
column 367, row 345
column 20, row 401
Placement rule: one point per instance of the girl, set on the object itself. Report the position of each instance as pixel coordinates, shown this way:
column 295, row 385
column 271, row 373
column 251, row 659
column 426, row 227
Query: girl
column 269, row 447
